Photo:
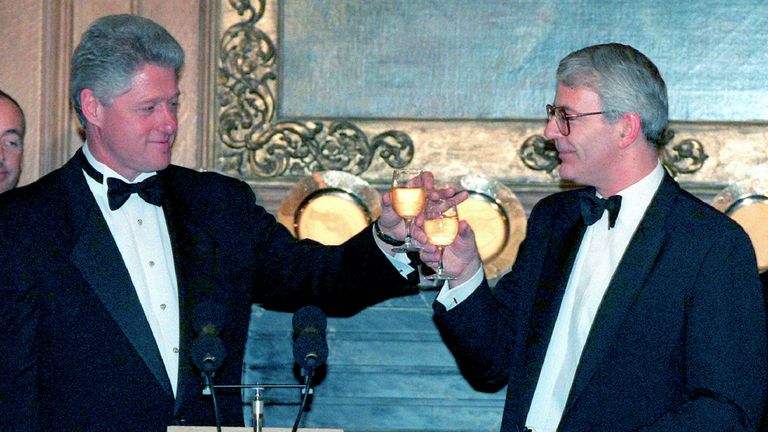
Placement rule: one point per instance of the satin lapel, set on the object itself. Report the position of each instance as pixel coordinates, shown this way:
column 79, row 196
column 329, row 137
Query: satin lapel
column 627, row 281
column 96, row 255
column 567, row 229
column 192, row 259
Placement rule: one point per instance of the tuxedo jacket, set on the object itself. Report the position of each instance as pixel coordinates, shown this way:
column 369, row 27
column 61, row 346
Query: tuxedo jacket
column 678, row 342
column 78, row 352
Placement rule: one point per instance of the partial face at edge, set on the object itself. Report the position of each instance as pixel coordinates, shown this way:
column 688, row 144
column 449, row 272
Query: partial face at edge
column 11, row 144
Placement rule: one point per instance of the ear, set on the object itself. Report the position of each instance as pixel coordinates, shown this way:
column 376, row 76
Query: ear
column 631, row 128
column 91, row 107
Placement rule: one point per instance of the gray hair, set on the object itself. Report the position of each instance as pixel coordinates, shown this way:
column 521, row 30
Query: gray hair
column 112, row 49
column 625, row 80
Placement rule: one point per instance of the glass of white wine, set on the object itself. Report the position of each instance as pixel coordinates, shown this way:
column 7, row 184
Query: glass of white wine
column 408, row 199
column 441, row 224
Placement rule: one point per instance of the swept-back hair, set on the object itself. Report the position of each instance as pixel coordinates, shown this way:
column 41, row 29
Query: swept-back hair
column 625, row 80
column 110, row 52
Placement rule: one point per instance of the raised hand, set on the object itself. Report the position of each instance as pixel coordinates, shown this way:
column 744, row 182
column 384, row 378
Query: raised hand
column 441, row 224
column 390, row 222
column 461, row 259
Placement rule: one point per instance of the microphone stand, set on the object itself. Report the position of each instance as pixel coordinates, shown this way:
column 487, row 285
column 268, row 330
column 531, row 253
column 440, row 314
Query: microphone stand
column 307, row 386
column 211, row 387
column 257, row 409
column 258, row 401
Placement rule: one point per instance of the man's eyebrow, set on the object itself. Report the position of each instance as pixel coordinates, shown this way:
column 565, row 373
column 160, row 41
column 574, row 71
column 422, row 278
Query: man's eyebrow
column 160, row 98
column 12, row 131
column 566, row 108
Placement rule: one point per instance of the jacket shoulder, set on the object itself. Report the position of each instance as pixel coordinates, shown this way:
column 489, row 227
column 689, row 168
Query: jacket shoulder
column 705, row 218
column 47, row 191
column 558, row 205
column 187, row 181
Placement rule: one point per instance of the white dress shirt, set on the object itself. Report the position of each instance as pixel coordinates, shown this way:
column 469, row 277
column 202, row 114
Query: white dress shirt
column 141, row 234
column 599, row 254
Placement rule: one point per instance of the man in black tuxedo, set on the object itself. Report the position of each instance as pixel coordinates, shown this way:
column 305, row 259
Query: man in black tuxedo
column 106, row 259
column 645, row 317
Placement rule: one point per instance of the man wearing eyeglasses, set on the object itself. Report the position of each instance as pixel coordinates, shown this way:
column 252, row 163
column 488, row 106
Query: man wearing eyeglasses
column 632, row 304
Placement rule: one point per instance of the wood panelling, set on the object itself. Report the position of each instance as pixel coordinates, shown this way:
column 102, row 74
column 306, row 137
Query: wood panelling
column 21, row 72
column 37, row 39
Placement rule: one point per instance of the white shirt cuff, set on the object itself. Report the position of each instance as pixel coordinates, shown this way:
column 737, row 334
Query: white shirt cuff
column 450, row 297
column 400, row 260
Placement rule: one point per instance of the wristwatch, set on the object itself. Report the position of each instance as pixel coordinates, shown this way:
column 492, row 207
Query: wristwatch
column 385, row 238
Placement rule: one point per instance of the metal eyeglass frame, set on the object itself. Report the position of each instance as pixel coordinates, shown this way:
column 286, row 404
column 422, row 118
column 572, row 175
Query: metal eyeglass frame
column 562, row 119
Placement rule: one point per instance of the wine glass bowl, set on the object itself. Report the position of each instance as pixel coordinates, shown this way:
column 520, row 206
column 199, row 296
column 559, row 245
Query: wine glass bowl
column 441, row 225
column 408, row 200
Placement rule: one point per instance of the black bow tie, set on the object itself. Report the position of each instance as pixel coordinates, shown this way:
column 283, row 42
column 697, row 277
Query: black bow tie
column 150, row 190
column 592, row 208
column 118, row 191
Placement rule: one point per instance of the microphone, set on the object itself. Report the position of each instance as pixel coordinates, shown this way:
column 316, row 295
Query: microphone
column 310, row 348
column 208, row 318
column 207, row 351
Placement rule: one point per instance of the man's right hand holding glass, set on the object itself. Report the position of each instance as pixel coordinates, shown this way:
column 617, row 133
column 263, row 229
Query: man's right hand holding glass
column 461, row 259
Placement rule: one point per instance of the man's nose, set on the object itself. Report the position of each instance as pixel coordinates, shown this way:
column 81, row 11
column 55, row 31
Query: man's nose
column 168, row 123
column 552, row 131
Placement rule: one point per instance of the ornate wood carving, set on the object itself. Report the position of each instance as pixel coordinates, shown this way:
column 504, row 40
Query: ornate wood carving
column 254, row 143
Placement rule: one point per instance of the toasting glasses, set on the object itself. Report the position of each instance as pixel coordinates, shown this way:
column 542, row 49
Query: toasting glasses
column 441, row 224
column 408, row 199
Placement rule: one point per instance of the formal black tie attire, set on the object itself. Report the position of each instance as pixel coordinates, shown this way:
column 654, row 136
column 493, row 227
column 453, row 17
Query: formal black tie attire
column 678, row 342
column 78, row 351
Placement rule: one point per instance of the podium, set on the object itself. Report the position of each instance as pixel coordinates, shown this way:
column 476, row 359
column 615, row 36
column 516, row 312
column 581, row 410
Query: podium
column 242, row 429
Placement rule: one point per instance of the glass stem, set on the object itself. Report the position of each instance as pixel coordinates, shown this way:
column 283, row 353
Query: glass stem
column 408, row 233
column 440, row 269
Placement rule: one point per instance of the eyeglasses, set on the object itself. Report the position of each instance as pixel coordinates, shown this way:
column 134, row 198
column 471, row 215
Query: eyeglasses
column 563, row 120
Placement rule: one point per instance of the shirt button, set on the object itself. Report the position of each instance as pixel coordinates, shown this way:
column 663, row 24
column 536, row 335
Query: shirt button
column 140, row 222
column 175, row 350
column 162, row 306
column 151, row 263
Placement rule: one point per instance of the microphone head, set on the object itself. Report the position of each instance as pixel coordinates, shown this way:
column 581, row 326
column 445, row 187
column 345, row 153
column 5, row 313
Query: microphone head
column 309, row 319
column 310, row 352
column 208, row 318
column 208, row 353
column 310, row 348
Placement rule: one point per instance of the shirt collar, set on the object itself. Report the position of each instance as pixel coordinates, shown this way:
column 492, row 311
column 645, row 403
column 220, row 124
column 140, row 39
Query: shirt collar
column 636, row 198
column 108, row 172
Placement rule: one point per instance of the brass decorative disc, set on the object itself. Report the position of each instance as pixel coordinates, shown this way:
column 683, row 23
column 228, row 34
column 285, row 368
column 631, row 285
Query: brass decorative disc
column 746, row 202
column 497, row 218
column 329, row 207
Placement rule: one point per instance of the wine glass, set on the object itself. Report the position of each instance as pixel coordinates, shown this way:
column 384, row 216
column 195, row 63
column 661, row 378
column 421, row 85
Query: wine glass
column 441, row 224
column 408, row 199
